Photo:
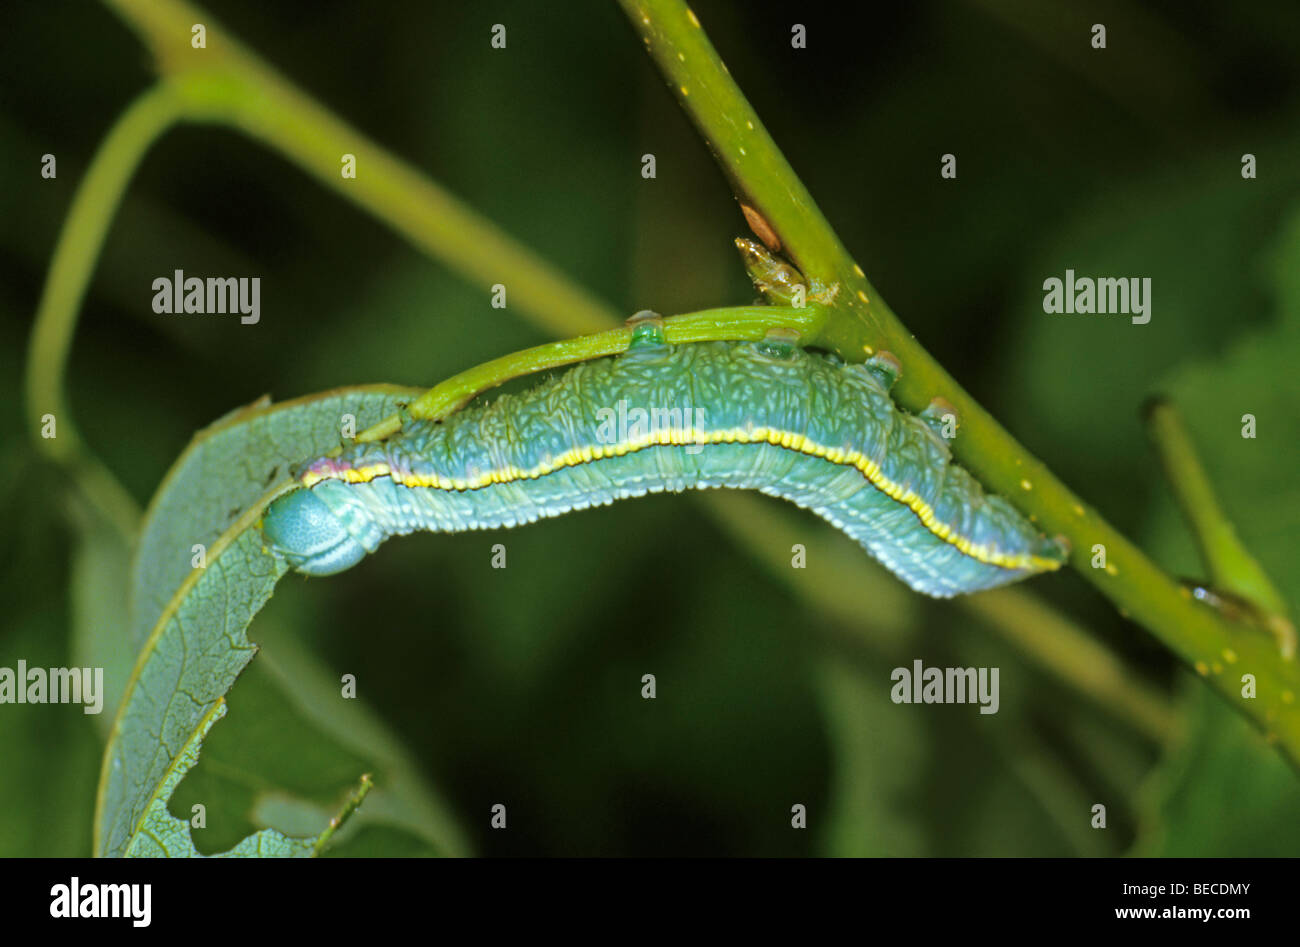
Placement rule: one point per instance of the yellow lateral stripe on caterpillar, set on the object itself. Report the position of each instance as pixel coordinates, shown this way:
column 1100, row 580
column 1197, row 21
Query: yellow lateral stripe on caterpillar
column 681, row 437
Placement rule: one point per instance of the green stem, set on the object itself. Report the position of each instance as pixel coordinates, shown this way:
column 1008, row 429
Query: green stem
column 1232, row 568
column 760, row 176
column 349, row 807
column 79, row 244
column 733, row 323
column 78, row 248
column 860, row 323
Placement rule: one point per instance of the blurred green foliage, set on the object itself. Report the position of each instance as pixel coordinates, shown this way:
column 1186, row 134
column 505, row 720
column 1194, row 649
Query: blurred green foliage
column 522, row 685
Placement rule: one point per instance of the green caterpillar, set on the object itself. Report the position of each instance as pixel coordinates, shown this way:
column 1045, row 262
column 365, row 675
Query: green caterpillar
column 766, row 416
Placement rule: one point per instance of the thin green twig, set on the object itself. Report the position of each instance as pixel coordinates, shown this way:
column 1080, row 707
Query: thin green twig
column 76, row 252
column 1232, row 568
column 354, row 800
column 731, row 324
column 71, row 267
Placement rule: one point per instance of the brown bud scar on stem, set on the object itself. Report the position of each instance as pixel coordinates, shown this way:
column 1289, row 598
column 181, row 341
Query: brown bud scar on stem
column 941, row 406
column 761, row 228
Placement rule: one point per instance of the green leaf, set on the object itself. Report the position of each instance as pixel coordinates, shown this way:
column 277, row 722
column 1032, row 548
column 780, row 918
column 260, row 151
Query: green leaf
column 297, row 768
column 199, row 644
column 225, row 469
column 161, row 834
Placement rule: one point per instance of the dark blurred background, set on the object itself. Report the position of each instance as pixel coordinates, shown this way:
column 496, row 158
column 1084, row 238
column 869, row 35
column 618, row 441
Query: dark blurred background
column 522, row 685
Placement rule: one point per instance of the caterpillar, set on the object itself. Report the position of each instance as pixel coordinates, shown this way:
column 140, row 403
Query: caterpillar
column 767, row 416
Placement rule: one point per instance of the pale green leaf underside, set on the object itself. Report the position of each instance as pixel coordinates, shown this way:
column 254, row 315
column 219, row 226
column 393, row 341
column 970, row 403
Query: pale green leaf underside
column 224, row 470
column 200, row 644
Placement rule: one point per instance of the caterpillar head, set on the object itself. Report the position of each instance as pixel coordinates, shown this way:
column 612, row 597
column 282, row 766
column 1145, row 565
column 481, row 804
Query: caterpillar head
column 301, row 528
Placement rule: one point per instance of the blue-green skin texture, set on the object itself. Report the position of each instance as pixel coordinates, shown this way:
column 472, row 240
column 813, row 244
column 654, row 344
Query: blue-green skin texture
column 717, row 387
